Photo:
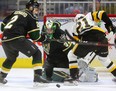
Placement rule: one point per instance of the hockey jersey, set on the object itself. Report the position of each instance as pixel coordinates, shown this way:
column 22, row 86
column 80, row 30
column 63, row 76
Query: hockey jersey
column 19, row 24
column 54, row 49
column 90, row 22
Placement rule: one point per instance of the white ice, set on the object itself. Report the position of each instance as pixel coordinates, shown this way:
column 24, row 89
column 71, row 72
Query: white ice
column 22, row 80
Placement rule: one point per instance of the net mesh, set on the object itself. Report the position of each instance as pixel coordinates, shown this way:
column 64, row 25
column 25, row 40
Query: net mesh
column 67, row 21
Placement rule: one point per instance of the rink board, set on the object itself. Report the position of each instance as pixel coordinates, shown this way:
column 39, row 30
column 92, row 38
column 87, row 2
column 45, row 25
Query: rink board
column 27, row 63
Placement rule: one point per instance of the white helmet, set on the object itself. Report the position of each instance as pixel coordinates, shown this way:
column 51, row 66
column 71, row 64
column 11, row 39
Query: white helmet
column 49, row 24
column 78, row 16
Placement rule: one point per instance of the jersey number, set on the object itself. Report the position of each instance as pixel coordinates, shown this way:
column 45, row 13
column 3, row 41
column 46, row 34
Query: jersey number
column 82, row 24
column 10, row 23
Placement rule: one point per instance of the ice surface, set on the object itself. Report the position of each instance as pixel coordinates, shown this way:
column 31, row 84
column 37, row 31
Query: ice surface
column 22, row 80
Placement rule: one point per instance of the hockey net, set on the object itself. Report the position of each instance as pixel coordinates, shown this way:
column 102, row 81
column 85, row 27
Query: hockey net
column 67, row 21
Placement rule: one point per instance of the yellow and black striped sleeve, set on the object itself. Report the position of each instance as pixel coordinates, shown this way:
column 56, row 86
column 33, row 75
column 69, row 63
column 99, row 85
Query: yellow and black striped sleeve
column 101, row 15
column 97, row 15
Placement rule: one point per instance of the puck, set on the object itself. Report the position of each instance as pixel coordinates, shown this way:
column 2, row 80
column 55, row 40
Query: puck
column 58, row 85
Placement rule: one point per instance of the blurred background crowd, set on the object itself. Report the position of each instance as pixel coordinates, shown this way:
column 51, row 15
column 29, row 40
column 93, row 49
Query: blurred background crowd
column 59, row 6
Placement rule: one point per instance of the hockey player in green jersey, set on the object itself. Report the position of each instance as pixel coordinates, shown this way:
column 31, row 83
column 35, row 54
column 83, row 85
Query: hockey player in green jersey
column 56, row 51
column 15, row 28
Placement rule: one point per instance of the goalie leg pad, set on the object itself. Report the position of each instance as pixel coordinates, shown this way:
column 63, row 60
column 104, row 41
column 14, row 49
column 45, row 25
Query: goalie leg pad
column 89, row 75
column 82, row 64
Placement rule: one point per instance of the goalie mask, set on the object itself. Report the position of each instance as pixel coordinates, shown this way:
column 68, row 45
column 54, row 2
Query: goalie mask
column 50, row 27
column 33, row 6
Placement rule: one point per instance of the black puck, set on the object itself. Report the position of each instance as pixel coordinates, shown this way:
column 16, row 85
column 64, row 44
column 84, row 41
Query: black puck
column 58, row 85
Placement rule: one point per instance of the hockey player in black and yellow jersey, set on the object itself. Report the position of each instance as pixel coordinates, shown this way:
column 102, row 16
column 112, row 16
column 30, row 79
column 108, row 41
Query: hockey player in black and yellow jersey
column 86, row 29
column 15, row 28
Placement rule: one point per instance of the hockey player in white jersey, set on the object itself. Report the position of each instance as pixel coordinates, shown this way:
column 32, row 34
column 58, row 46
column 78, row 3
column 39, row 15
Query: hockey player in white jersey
column 86, row 29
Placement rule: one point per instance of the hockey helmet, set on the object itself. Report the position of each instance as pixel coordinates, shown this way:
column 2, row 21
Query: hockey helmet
column 50, row 26
column 32, row 3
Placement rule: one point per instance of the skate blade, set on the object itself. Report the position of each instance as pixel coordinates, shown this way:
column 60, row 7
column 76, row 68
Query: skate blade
column 114, row 79
column 70, row 83
column 1, row 84
column 37, row 84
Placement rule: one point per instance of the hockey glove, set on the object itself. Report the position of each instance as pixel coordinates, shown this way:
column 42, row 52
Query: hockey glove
column 110, row 28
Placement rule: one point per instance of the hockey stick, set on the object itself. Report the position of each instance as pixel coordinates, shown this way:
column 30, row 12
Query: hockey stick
column 82, row 42
column 86, row 42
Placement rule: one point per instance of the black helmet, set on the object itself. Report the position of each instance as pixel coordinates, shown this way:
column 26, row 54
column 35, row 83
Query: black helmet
column 32, row 3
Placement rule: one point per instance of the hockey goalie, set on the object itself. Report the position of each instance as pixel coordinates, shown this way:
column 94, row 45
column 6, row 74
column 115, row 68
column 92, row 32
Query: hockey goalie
column 56, row 66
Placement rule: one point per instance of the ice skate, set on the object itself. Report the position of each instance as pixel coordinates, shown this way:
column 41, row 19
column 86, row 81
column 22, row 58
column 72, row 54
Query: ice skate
column 114, row 79
column 49, row 79
column 70, row 82
column 39, row 81
column 2, row 80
